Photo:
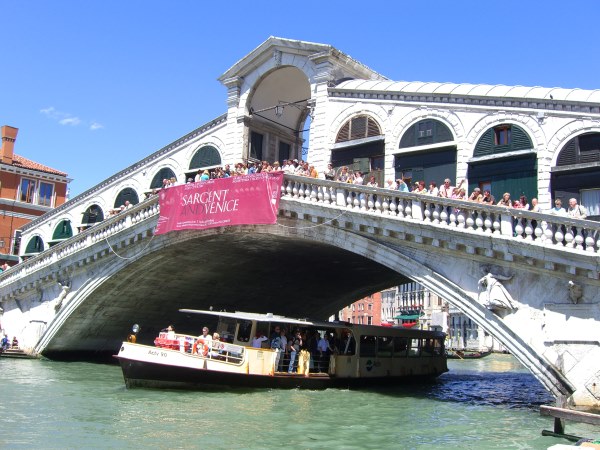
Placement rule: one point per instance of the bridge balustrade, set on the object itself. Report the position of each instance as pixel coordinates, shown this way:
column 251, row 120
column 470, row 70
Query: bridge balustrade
column 540, row 228
column 527, row 226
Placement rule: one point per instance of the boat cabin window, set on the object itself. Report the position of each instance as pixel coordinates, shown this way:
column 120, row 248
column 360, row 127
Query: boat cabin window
column 368, row 345
column 385, row 346
column 414, row 349
column 244, row 330
column 400, row 347
column 226, row 329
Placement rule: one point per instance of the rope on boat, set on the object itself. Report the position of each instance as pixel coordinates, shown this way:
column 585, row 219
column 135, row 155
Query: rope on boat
column 314, row 226
column 130, row 257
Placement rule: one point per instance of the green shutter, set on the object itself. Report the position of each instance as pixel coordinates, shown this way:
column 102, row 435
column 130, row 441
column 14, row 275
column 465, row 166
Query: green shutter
column 127, row 194
column 163, row 173
column 520, row 139
column 63, row 230
column 485, row 145
column 412, row 137
column 206, row 156
column 35, row 245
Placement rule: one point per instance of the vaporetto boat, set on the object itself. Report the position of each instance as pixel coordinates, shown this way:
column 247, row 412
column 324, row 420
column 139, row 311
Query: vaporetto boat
column 351, row 355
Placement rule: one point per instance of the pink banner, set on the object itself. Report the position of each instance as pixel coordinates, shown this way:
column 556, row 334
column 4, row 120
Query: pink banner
column 223, row 202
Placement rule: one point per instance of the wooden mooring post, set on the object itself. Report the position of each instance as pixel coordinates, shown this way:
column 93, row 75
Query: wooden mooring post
column 561, row 414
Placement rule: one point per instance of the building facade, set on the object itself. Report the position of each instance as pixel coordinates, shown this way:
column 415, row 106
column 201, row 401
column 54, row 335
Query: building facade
column 27, row 190
column 366, row 311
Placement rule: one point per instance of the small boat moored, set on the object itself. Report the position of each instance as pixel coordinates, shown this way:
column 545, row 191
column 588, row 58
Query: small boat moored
column 250, row 351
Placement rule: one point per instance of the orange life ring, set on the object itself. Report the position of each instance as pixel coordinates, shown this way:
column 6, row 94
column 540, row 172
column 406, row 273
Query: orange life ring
column 204, row 349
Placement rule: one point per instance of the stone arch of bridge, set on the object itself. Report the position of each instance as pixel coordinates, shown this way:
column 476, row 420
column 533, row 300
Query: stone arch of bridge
column 289, row 269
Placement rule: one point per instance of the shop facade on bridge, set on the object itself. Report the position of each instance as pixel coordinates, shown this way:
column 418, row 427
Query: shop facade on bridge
column 292, row 99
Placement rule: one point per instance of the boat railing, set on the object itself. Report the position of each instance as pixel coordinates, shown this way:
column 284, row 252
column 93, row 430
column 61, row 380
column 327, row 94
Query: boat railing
column 194, row 345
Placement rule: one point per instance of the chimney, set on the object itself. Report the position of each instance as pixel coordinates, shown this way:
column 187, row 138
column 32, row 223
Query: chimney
column 9, row 136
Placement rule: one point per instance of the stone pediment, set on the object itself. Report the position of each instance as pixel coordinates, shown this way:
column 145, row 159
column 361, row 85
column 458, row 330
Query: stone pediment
column 341, row 66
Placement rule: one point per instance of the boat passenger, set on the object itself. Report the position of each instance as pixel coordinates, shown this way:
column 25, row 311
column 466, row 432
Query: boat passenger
column 294, row 347
column 215, row 353
column 258, row 340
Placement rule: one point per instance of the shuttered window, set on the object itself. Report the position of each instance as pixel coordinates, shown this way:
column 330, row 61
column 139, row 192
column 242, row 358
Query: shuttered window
column 502, row 139
column 63, row 230
column 206, row 156
column 35, row 245
column 163, row 173
column 426, row 132
column 359, row 127
column 93, row 214
column 580, row 150
column 127, row 194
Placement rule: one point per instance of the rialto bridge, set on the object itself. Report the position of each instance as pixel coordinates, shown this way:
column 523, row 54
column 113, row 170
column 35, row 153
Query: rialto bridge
column 530, row 280
column 516, row 273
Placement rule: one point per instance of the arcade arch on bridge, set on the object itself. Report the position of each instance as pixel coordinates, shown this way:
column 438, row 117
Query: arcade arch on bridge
column 126, row 195
column 577, row 172
column 359, row 144
column 34, row 246
column 428, row 153
column 164, row 173
column 92, row 215
column 62, row 232
column 206, row 157
column 504, row 160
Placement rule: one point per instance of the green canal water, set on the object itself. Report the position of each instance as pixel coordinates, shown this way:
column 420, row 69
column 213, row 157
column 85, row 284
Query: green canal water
column 489, row 403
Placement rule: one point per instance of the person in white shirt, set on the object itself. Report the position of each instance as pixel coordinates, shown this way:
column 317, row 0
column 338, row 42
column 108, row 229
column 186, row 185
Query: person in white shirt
column 258, row 340
column 576, row 211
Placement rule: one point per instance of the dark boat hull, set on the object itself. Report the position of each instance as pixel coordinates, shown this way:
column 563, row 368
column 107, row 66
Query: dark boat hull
column 153, row 375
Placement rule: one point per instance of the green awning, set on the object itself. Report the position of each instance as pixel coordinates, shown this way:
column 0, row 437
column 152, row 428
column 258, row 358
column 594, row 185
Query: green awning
column 408, row 317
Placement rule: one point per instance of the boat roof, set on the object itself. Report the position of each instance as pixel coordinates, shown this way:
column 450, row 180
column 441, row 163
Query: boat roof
column 269, row 317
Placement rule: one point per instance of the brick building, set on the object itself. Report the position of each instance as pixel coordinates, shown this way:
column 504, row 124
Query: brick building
column 27, row 190
column 366, row 311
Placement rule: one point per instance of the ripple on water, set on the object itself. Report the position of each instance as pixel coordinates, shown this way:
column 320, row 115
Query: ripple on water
column 73, row 405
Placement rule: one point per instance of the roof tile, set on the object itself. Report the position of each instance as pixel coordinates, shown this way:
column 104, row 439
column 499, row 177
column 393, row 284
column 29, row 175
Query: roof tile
column 25, row 163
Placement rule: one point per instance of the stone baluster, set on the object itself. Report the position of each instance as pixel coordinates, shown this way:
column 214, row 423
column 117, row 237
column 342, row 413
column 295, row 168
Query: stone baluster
column 385, row 206
column 460, row 218
column 579, row 238
column 426, row 212
column 444, row 216
column 528, row 230
column 377, row 206
column 569, row 238
column 313, row 192
column 452, row 217
column 435, row 213
column 590, row 242
column 408, row 209
column 470, row 220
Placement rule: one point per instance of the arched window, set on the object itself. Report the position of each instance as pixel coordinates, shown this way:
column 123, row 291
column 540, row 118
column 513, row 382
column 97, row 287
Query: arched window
column 62, row 232
column 163, row 173
column 501, row 139
column 127, row 194
column 426, row 132
column 582, row 149
column 504, row 160
column 35, row 245
column 92, row 215
column 206, row 156
column 577, row 172
column 359, row 127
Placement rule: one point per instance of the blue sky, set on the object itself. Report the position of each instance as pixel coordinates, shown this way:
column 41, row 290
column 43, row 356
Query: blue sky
column 94, row 86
